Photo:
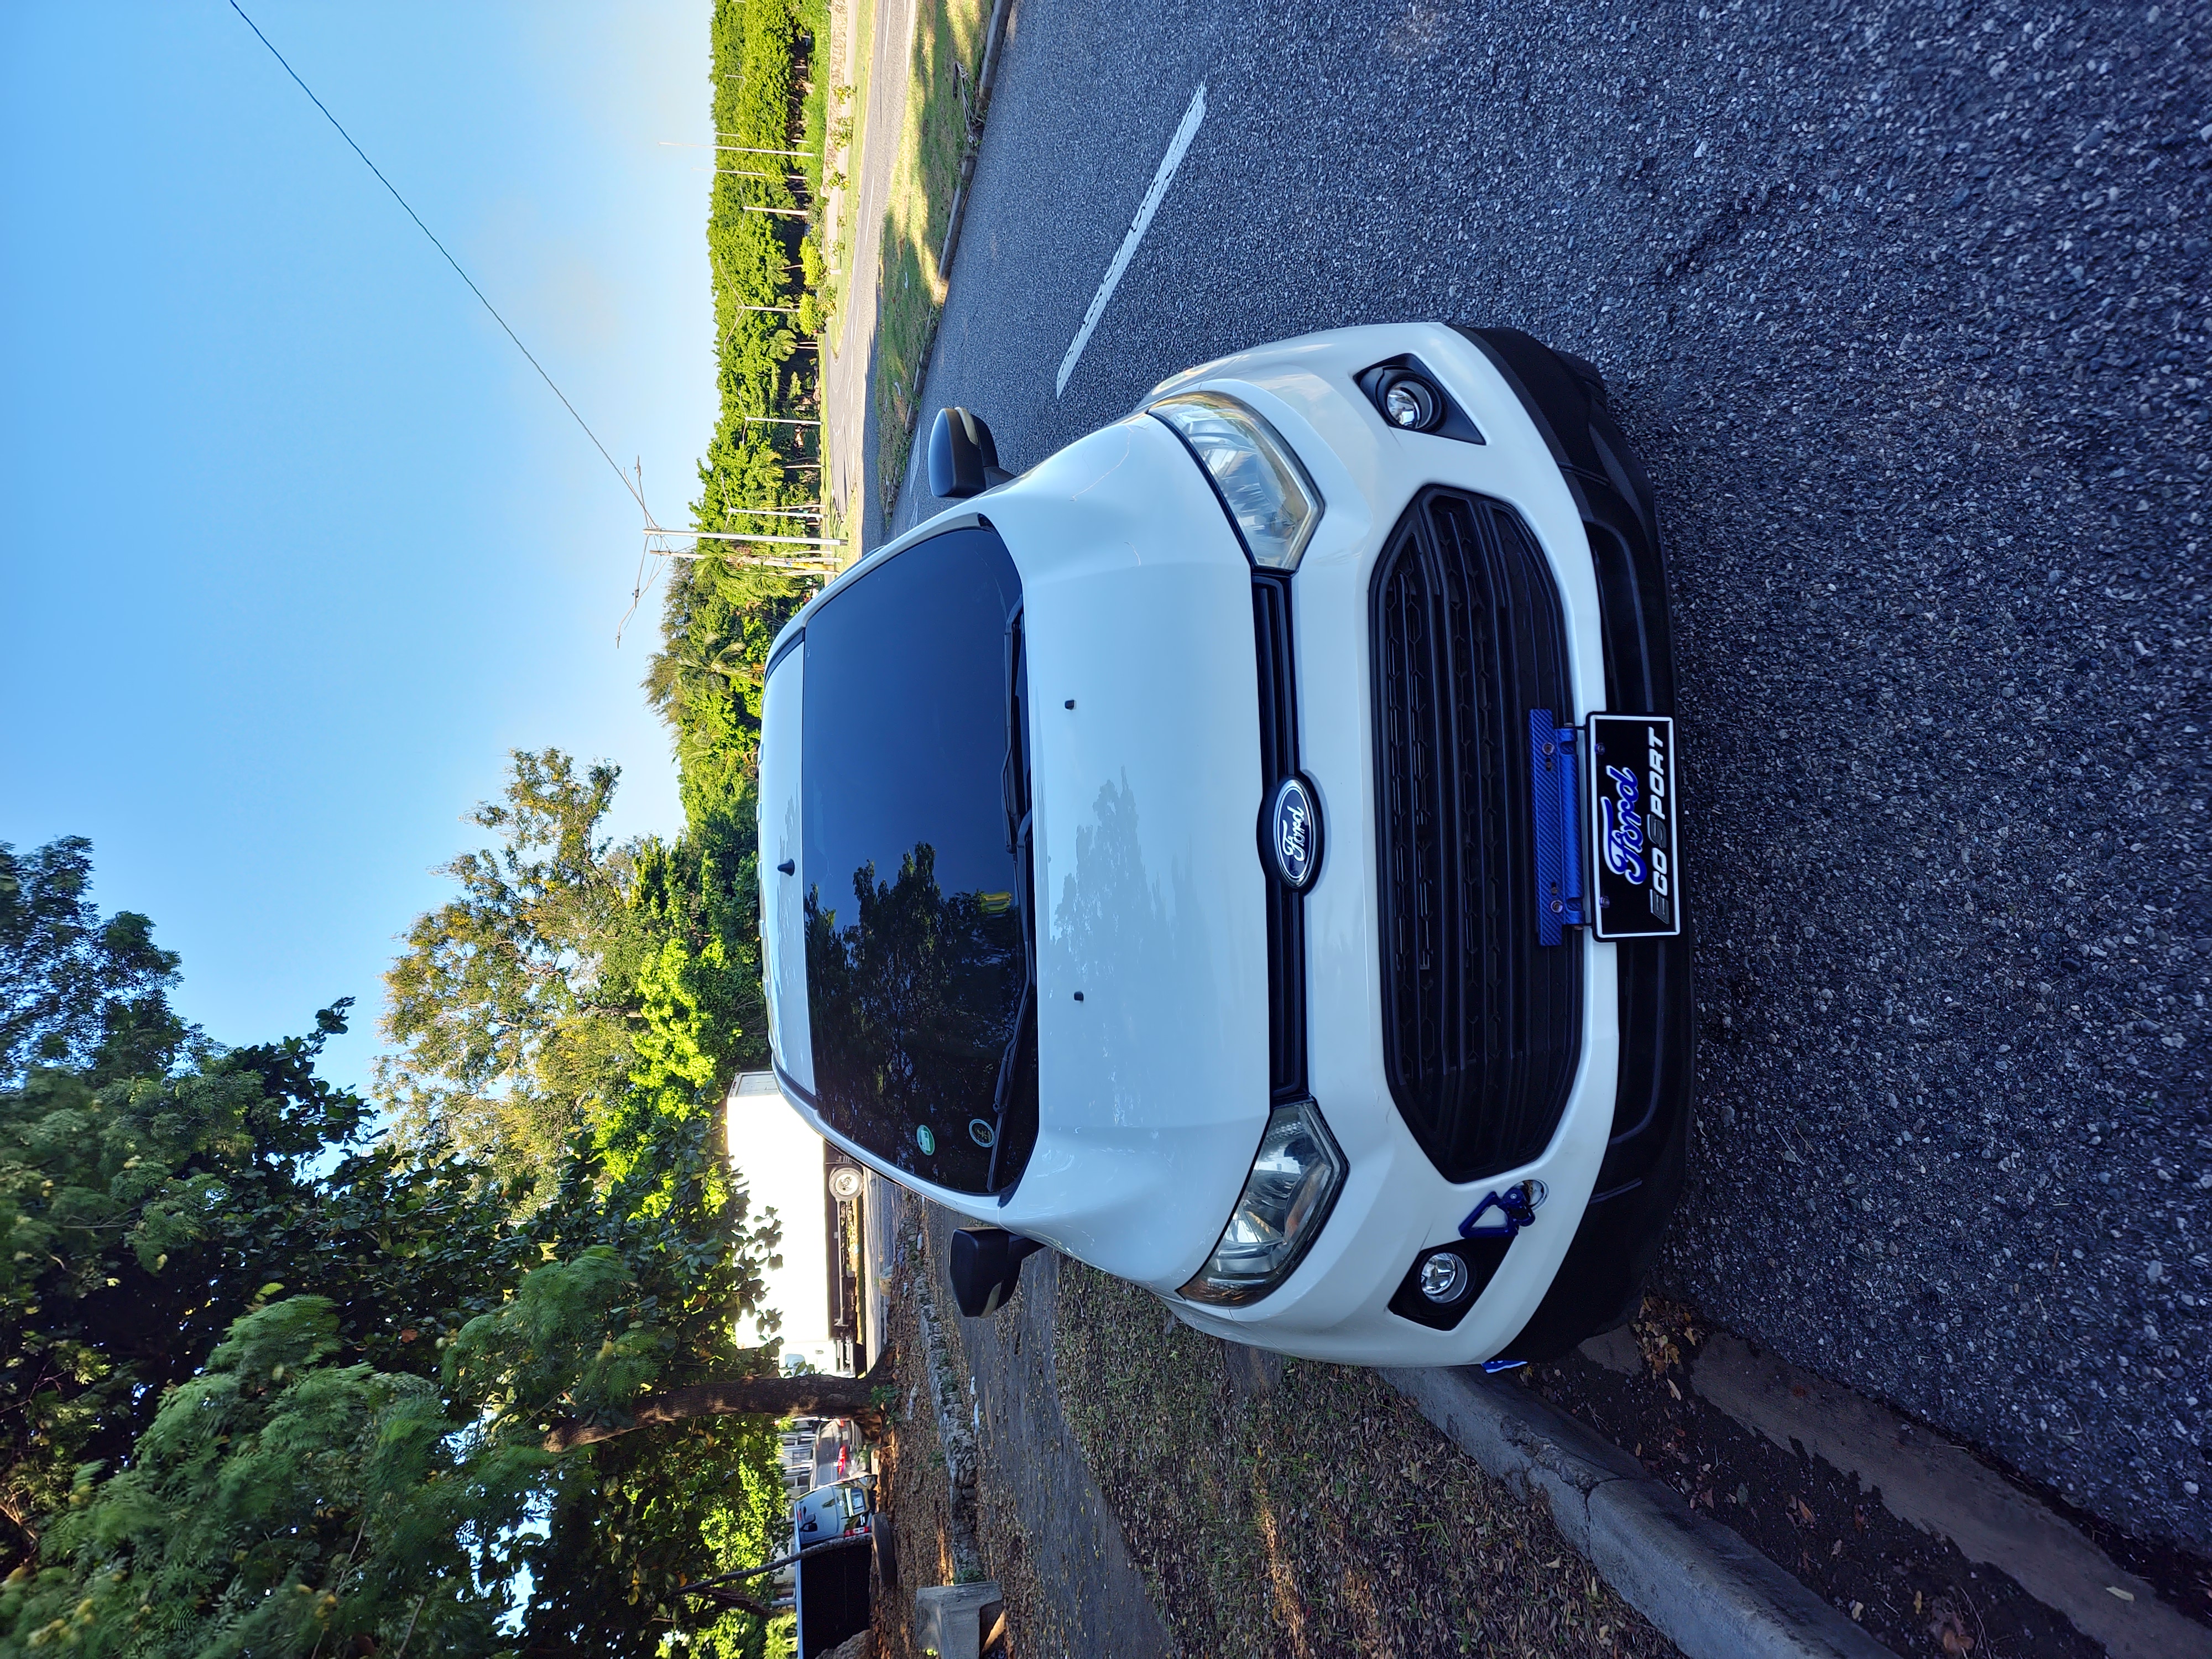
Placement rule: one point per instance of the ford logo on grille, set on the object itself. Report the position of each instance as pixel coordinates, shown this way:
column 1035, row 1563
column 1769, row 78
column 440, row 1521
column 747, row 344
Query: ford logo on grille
column 1293, row 825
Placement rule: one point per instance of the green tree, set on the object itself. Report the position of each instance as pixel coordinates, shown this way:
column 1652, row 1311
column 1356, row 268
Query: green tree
column 75, row 989
column 277, row 1501
column 510, row 1007
column 140, row 1215
column 280, row 1499
column 279, row 1385
column 537, row 1002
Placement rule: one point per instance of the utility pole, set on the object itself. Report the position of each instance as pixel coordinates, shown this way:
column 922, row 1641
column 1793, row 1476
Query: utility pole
column 734, row 536
column 741, row 149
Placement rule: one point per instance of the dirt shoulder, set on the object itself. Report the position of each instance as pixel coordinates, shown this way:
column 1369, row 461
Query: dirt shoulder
column 1042, row 1530
column 881, row 45
column 1144, row 1490
column 937, row 124
column 911, row 1492
column 1298, row 1509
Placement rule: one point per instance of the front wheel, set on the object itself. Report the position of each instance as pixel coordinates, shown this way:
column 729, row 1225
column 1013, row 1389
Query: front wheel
column 1587, row 372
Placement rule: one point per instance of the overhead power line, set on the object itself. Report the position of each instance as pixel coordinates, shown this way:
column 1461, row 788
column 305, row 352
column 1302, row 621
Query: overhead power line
column 634, row 494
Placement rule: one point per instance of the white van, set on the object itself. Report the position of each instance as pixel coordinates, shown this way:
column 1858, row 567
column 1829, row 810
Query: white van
column 815, row 1188
column 1243, row 853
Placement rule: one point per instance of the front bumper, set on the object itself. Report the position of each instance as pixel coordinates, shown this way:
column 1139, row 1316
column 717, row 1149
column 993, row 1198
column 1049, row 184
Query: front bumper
column 1613, row 1165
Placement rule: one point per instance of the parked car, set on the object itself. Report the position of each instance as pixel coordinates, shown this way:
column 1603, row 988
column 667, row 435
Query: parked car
column 1243, row 853
column 834, row 1444
column 843, row 1508
column 835, row 1541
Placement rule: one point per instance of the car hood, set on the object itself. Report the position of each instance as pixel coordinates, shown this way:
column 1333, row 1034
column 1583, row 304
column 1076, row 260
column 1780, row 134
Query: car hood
column 1152, row 925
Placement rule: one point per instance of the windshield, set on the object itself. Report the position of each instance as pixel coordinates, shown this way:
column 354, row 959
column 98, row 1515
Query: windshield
column 915, row 839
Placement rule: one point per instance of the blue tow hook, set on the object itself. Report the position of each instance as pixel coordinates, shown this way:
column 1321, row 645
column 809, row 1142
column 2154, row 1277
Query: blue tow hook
column 1516, row 1208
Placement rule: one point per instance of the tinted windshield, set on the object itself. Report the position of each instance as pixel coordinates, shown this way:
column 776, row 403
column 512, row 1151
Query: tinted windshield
column 914, row 853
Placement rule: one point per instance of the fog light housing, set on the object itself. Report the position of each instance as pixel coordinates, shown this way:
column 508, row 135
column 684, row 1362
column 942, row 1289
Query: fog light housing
column 1411, row 403
column 1445, row 1278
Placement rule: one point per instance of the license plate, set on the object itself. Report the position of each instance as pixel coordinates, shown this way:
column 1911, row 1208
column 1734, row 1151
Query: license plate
column 1632, row 827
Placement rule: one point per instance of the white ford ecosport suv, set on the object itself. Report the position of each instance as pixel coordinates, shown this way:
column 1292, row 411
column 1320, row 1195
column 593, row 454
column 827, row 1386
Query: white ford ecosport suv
column 1241, row 852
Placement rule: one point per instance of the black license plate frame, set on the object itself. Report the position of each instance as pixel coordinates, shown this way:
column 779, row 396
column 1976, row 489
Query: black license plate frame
column 1634, row 827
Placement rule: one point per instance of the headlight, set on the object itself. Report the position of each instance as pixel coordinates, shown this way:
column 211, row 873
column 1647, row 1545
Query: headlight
column 1284, row 1201
column 1274, row 504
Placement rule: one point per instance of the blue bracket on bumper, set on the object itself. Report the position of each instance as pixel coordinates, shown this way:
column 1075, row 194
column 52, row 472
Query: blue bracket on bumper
column 1556, row 783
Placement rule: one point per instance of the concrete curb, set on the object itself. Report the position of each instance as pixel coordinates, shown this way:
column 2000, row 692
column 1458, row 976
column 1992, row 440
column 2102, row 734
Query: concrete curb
column 1711, row 1593
column 985, row 77
column 1944, row 1489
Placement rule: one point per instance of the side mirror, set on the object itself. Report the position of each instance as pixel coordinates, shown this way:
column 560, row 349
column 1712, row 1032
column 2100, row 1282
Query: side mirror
column 986, row 1266
column 964, row 461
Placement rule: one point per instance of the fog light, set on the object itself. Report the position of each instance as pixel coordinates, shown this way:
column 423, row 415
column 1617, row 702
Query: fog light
column 1411, row 404
column 1443, row 1277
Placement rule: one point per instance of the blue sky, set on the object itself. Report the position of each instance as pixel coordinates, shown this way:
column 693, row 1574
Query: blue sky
column 296, row 546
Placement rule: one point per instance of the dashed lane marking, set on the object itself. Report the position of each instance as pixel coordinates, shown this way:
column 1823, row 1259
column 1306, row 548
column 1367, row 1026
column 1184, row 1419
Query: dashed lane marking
column 1176, row 147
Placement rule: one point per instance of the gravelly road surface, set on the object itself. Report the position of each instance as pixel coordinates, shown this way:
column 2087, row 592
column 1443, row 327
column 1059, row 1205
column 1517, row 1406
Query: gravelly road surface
column 1907, row 308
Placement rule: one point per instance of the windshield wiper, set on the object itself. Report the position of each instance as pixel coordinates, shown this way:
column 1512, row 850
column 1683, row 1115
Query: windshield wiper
column 1014, row 797
column 1013, row 771
column 1002, row 1093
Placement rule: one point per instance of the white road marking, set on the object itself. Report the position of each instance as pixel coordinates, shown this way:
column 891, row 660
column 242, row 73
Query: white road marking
column 1149, row 206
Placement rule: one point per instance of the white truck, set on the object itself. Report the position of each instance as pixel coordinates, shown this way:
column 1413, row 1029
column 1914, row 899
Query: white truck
column 815, row 1190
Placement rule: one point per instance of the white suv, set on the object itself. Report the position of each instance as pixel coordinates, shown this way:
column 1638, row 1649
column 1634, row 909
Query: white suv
column 1240, row 853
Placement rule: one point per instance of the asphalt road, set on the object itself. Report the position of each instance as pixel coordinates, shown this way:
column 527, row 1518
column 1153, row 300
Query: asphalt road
column 1907, row 309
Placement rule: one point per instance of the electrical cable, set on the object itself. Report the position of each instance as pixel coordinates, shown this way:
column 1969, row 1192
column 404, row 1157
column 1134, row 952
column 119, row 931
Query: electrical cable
column 634, row 494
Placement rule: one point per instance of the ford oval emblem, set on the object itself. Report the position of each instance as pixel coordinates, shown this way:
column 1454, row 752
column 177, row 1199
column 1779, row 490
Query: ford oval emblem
column 1294, row 834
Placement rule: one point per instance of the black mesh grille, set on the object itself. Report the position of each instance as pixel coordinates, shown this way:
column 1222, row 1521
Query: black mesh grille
column 1480, row 1023
column 1278, row 758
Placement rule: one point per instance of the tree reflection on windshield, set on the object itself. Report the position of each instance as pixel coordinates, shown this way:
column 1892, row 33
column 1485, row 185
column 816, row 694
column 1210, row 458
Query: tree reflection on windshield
column 913, row 1006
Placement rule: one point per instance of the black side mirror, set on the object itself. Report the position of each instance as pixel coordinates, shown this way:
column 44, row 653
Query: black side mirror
column 964, row 460
column 986, row 1266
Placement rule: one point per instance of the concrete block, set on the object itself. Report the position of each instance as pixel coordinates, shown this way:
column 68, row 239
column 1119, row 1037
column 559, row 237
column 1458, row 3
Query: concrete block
column 953, row 1620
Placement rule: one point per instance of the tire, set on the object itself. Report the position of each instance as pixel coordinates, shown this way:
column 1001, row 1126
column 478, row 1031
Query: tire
column 845, row 1182
column 1585, row 370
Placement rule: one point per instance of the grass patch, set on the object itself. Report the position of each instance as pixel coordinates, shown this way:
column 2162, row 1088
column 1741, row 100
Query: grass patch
column 1308, row 1510
column 948, row 51
column 847, row 124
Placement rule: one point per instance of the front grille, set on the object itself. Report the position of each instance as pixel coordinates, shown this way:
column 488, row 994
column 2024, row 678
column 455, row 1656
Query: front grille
column 1278, row 759
column 1481, row 1024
